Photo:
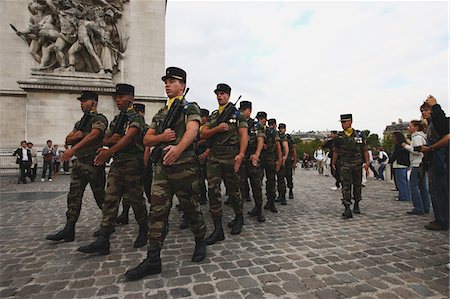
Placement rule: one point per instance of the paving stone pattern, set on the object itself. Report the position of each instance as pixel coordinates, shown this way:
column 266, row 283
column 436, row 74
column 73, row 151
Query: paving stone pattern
column 305, row 251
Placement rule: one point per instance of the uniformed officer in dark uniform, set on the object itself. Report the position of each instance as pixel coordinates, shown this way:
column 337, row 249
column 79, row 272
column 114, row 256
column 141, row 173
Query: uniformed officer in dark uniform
column 251, row 166
column 291, row 160
column 281, row 174
column 351, row 150
column 85, row 139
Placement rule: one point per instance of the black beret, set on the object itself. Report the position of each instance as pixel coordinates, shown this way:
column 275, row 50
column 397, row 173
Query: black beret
column 88, row 95
column 204, row 112
column 139, row 107
column 261, row 114
column 245, row 105
column 345, row 117
column 223, row 87
column 124, row 89
column 282, row 126
column 175, row 73
column 272, row 121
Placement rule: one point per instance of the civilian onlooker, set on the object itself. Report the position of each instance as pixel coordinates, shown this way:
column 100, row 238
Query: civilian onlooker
column 383, row 159
column 56, row 159
column 417, row 182
column 34, row 160
column 47, row 154
column 319, row 156
column 438, row 168
column 375, row 173
column 400, row 164
column 23, row 155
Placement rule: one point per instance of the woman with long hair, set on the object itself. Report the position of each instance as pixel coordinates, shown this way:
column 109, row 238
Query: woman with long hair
column 400, row 164
column 417, row 182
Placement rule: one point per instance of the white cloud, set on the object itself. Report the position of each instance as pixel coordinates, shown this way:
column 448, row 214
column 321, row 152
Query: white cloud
column 305, row 62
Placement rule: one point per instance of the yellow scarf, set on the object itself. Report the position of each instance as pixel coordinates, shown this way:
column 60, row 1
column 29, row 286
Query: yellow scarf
column 222, row 107
column 348, row 132
column 171, row 100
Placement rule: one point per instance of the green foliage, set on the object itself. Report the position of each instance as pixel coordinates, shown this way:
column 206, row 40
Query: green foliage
column 388, row 143
column 306, row 146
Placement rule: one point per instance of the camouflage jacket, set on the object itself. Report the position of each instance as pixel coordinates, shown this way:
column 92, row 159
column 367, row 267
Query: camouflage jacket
column 255, row 130
column 272, row 138
column 95, row 121
column 350, row 149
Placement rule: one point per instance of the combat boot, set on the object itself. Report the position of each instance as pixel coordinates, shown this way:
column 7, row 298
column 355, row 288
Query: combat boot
column 267, row 205
column 259, row 214
column 347, row 213
column 199, row 251
column 356, row 209
column 98, row 232
column 100, row 246
column 217, row 234
column 283, row 200
column 67, row 233
column 184, row 223
column 291, row 194
column 272, row 207
column 238, row 223
column 123, row 218
column 141, row 239
column 151, row 265
column 253, row 212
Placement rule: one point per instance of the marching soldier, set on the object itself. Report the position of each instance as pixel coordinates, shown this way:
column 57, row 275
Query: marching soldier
column 202, row 154
column 228, row 145
column 85, row 139
column 251, row 166
column 268, row 164
column 351, row 150
column 125, row 178
column 176, row 172
column 148, row 175
column 291, row 160
column 281, row 174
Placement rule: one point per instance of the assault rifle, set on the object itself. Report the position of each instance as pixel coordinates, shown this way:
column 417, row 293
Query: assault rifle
column 121, row 120
column 224, row 117
column 84, row 120
column 168, row 123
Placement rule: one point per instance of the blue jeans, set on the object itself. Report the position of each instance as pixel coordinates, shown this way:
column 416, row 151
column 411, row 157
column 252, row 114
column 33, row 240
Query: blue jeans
column 401, row 181
column 419, row 192
column 380, row 171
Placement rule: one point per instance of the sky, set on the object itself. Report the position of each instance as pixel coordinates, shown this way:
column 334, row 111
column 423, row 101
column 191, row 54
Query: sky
column 305, row 63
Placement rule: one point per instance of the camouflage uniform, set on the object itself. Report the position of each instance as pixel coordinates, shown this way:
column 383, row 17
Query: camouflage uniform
column 126, row 175
column 350, row 151
column 180, row 179
column 268, row 162
column 281, row 174
column 289, row 162
column 247, row 170
column 221, row 165
column 201, row 148
column 84, row 172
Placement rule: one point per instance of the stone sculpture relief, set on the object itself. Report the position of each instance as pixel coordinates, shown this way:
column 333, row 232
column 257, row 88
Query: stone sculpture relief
column 76, row 35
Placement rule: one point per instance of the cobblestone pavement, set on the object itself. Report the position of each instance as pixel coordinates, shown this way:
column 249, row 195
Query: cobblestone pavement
column 305, row 251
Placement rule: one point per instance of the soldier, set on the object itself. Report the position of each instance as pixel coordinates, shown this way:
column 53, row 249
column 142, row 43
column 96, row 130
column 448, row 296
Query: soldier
column 251, row 166
column 125, row 178
column 268, row 164
column 228, row 145
column 202, row 154
column 349, row 148
column 334, row 171
column 85, row 138
column 176, row 172
column 148, row 175
column 281, row 174
column 291, row 161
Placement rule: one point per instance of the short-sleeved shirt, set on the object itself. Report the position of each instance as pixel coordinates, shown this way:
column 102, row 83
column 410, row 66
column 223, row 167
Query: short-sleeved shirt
column 95, row 121
column 135, row 149
column 255, row 130
column 190, row 112
column 272, row 138
column 350, row 149
column 227, row 143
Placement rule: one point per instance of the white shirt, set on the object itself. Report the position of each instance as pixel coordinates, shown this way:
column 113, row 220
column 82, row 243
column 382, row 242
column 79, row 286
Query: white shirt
column 24, row 154
column 319, row 155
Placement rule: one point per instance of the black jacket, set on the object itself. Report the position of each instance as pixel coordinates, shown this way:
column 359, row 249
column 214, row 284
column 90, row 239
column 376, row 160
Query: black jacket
column 19, row 154
column 400, row 155
column 440, row 121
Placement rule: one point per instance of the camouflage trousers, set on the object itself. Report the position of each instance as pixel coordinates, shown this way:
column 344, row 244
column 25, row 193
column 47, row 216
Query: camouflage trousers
column 288, row 172
column 217, row 170
column 180, row 180
column 148, row 177
column 84, row 173
column 202, row 177
column 351, row 175
column 249, row 172
column 268, row 168
column 125, row 180
column 281, row 183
